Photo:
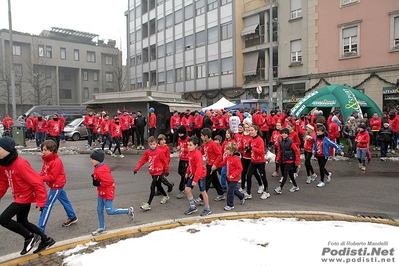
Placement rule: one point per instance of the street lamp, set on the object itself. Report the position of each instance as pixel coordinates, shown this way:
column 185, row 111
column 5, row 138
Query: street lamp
column 12, row 75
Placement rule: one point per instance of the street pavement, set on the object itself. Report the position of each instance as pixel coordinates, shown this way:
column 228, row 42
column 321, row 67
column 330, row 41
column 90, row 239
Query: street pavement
column 371, row 194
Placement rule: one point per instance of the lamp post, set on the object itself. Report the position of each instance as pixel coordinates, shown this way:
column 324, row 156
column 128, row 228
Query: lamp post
column 271, row 56
column 12, row 75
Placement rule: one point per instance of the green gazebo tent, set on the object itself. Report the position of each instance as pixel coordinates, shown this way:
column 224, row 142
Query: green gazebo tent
column 337, row 96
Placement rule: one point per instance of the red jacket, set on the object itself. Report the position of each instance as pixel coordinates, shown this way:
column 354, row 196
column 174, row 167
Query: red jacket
column 375, row 123
column 166, row 151
column 105, row 127
column 218, row 122
column 263, row 123
column 275, row 138
column 212, row 152
column 333, row 131
column 187, row 122
column 125, row 121
column 183, row 152
column 395, row 124
column 54, row 128
column 157, row 163
column 246, row 141
column 295, row 138
column 238, row 139
column 234, row 167
column 224, row 151
column 90, row 121
column 362, row 139
column 29, row 123
column 175, row 122
column 196, row 165
column 53, row 171
column 106, row 190
column 26, row 185
column 8, row 122
column 40, row 125
column 309, row 142
column 116, row 130
column 258, row 150
column 294, row 148
column 198, row 121
column 153, row 121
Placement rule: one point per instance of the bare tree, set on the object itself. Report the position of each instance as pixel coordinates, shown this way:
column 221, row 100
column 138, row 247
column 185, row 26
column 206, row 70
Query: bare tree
column 5, row 81
column 120, row 74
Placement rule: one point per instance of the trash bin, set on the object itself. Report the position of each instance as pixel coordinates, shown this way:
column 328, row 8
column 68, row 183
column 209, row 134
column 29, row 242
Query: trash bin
column 18, row 134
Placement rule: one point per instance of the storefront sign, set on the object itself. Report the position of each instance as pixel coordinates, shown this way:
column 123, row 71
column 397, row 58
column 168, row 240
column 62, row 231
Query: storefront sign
column 390, row 90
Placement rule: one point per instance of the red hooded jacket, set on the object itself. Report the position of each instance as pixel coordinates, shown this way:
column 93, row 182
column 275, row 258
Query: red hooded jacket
column 53, row 171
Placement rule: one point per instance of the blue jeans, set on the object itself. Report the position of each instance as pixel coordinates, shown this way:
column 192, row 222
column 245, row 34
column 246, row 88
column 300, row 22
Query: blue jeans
column 361, row 154
column 53, row 196
column 104, row 140
column 223, row 180
column 101, row 203
column 40, row 137
column 231, row 191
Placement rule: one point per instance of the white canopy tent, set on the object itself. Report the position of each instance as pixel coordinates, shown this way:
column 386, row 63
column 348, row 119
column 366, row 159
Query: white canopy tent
column 221, row 104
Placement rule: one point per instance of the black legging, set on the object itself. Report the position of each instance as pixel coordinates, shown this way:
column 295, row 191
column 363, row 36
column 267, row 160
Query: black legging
column 251, row 170
column 90, row 135
column 117, row 141
column 106, row 137
column 56, row 139
column 140, row 136
column 245, row 164
column 288, row 170
column 308, row 164
column 322, row 166
column 22, row 226
column 156, row 183
column 125, row 137
column 181, row 170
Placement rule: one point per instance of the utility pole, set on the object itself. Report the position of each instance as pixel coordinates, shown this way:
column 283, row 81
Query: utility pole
column 270, row 107
column 12, row 74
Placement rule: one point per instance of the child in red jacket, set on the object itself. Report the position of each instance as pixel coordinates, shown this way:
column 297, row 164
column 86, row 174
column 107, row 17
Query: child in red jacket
column 27, row 187
column 157, row 167
column 53, row 173
column 362, row 140
column 166, row 151
column 103, row 180
column 234, row 168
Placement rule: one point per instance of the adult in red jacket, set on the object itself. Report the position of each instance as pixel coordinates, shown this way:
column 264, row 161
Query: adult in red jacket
column 54, row 129
column 125, row 121
column 375, row 124
column 27, row 187
column 105, row 130
column 30, row 128
column 7, row 123
column 152, row 124
column 263, row 121
column 198, row 123
column 175, row 123
column 187, row 122
column 333, row 133
column 90, row 121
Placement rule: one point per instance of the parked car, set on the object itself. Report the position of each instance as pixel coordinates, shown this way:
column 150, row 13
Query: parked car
column 76, row 129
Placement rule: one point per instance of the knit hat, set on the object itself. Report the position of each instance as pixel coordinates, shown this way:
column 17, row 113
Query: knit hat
column 97, row 155
column 284, row 130
column 310, row 126
column 182, row 130
column 7, row 143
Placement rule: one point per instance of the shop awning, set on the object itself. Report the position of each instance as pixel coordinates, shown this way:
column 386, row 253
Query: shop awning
column 181, row 107
column 249, row 30
column 250, row 63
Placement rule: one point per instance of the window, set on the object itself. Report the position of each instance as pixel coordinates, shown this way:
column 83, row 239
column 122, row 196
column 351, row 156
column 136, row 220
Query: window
column 223, row 2
column 189, row 42
column 63, row 53
column 86, row 93
column 161, row 78
column 49, row 52
column 227, row 31
column 132, row 37
column 144, row 6
column 296, row 51
column 153, row 52
column 227, row 65
column 76, row 55
column 199, row 7
column 169, row 21
column 108, row 60
column 152, row 4
column 188, row 12
column 296, row 9
column 201, row 71
column 169, row 48
column 91, row 56
column 138, row 35
column 131, row 15
column 159, row 2
column 213, row 35
column 95, row 90
column 138, row 59
column 41, row 50
column 161, row 51
column 109, row 77
column 190, row 74
column 200, row 38
column 16, row 49
column 49, row 91
column 169, row 76
column 396, row 32
column 65, row 94
column 109, row 89
column 212, row 4
column 178, row 16
column 95, row 76
column 213, row 68
column 132, row 61
column 152, row 27
column 179, row 74
column 65, row 75
column 138, row 11
column 48, row 72
column 161, row 24
column 345, row 2
column 349, row 39
column 18, row 70
column 179, row 46
column 85, row 75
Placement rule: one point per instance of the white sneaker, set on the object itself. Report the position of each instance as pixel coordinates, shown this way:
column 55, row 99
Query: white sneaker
column 180, row 195
column 281, row 179
column 308, row 180
column 260, row 189
column 294, row 188
column 99, row 231
column 278, row 190
column 164, row 199
column 329, row 177
column 247, row 196
column 228, row 208
column 199, row 201
column 131, row 213
column 313, row 177
column 265, row 195
column 242, row 190
column 275, row 174
column 320, row 184
column 121, row 155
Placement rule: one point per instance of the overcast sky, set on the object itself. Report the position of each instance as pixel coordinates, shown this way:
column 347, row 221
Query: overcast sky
column 103, row 17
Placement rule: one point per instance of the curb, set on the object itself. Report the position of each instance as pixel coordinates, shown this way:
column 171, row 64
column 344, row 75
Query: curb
column 169, row 224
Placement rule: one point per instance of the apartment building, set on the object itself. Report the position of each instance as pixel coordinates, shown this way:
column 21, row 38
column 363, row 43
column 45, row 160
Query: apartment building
column 59, row 66
column 215, row 48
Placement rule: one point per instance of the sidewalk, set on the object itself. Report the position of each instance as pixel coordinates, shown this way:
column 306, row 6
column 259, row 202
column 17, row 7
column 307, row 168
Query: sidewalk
column 52, row 257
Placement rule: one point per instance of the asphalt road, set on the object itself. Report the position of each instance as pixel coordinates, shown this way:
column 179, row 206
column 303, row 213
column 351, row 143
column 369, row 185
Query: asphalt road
column 351, row 191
